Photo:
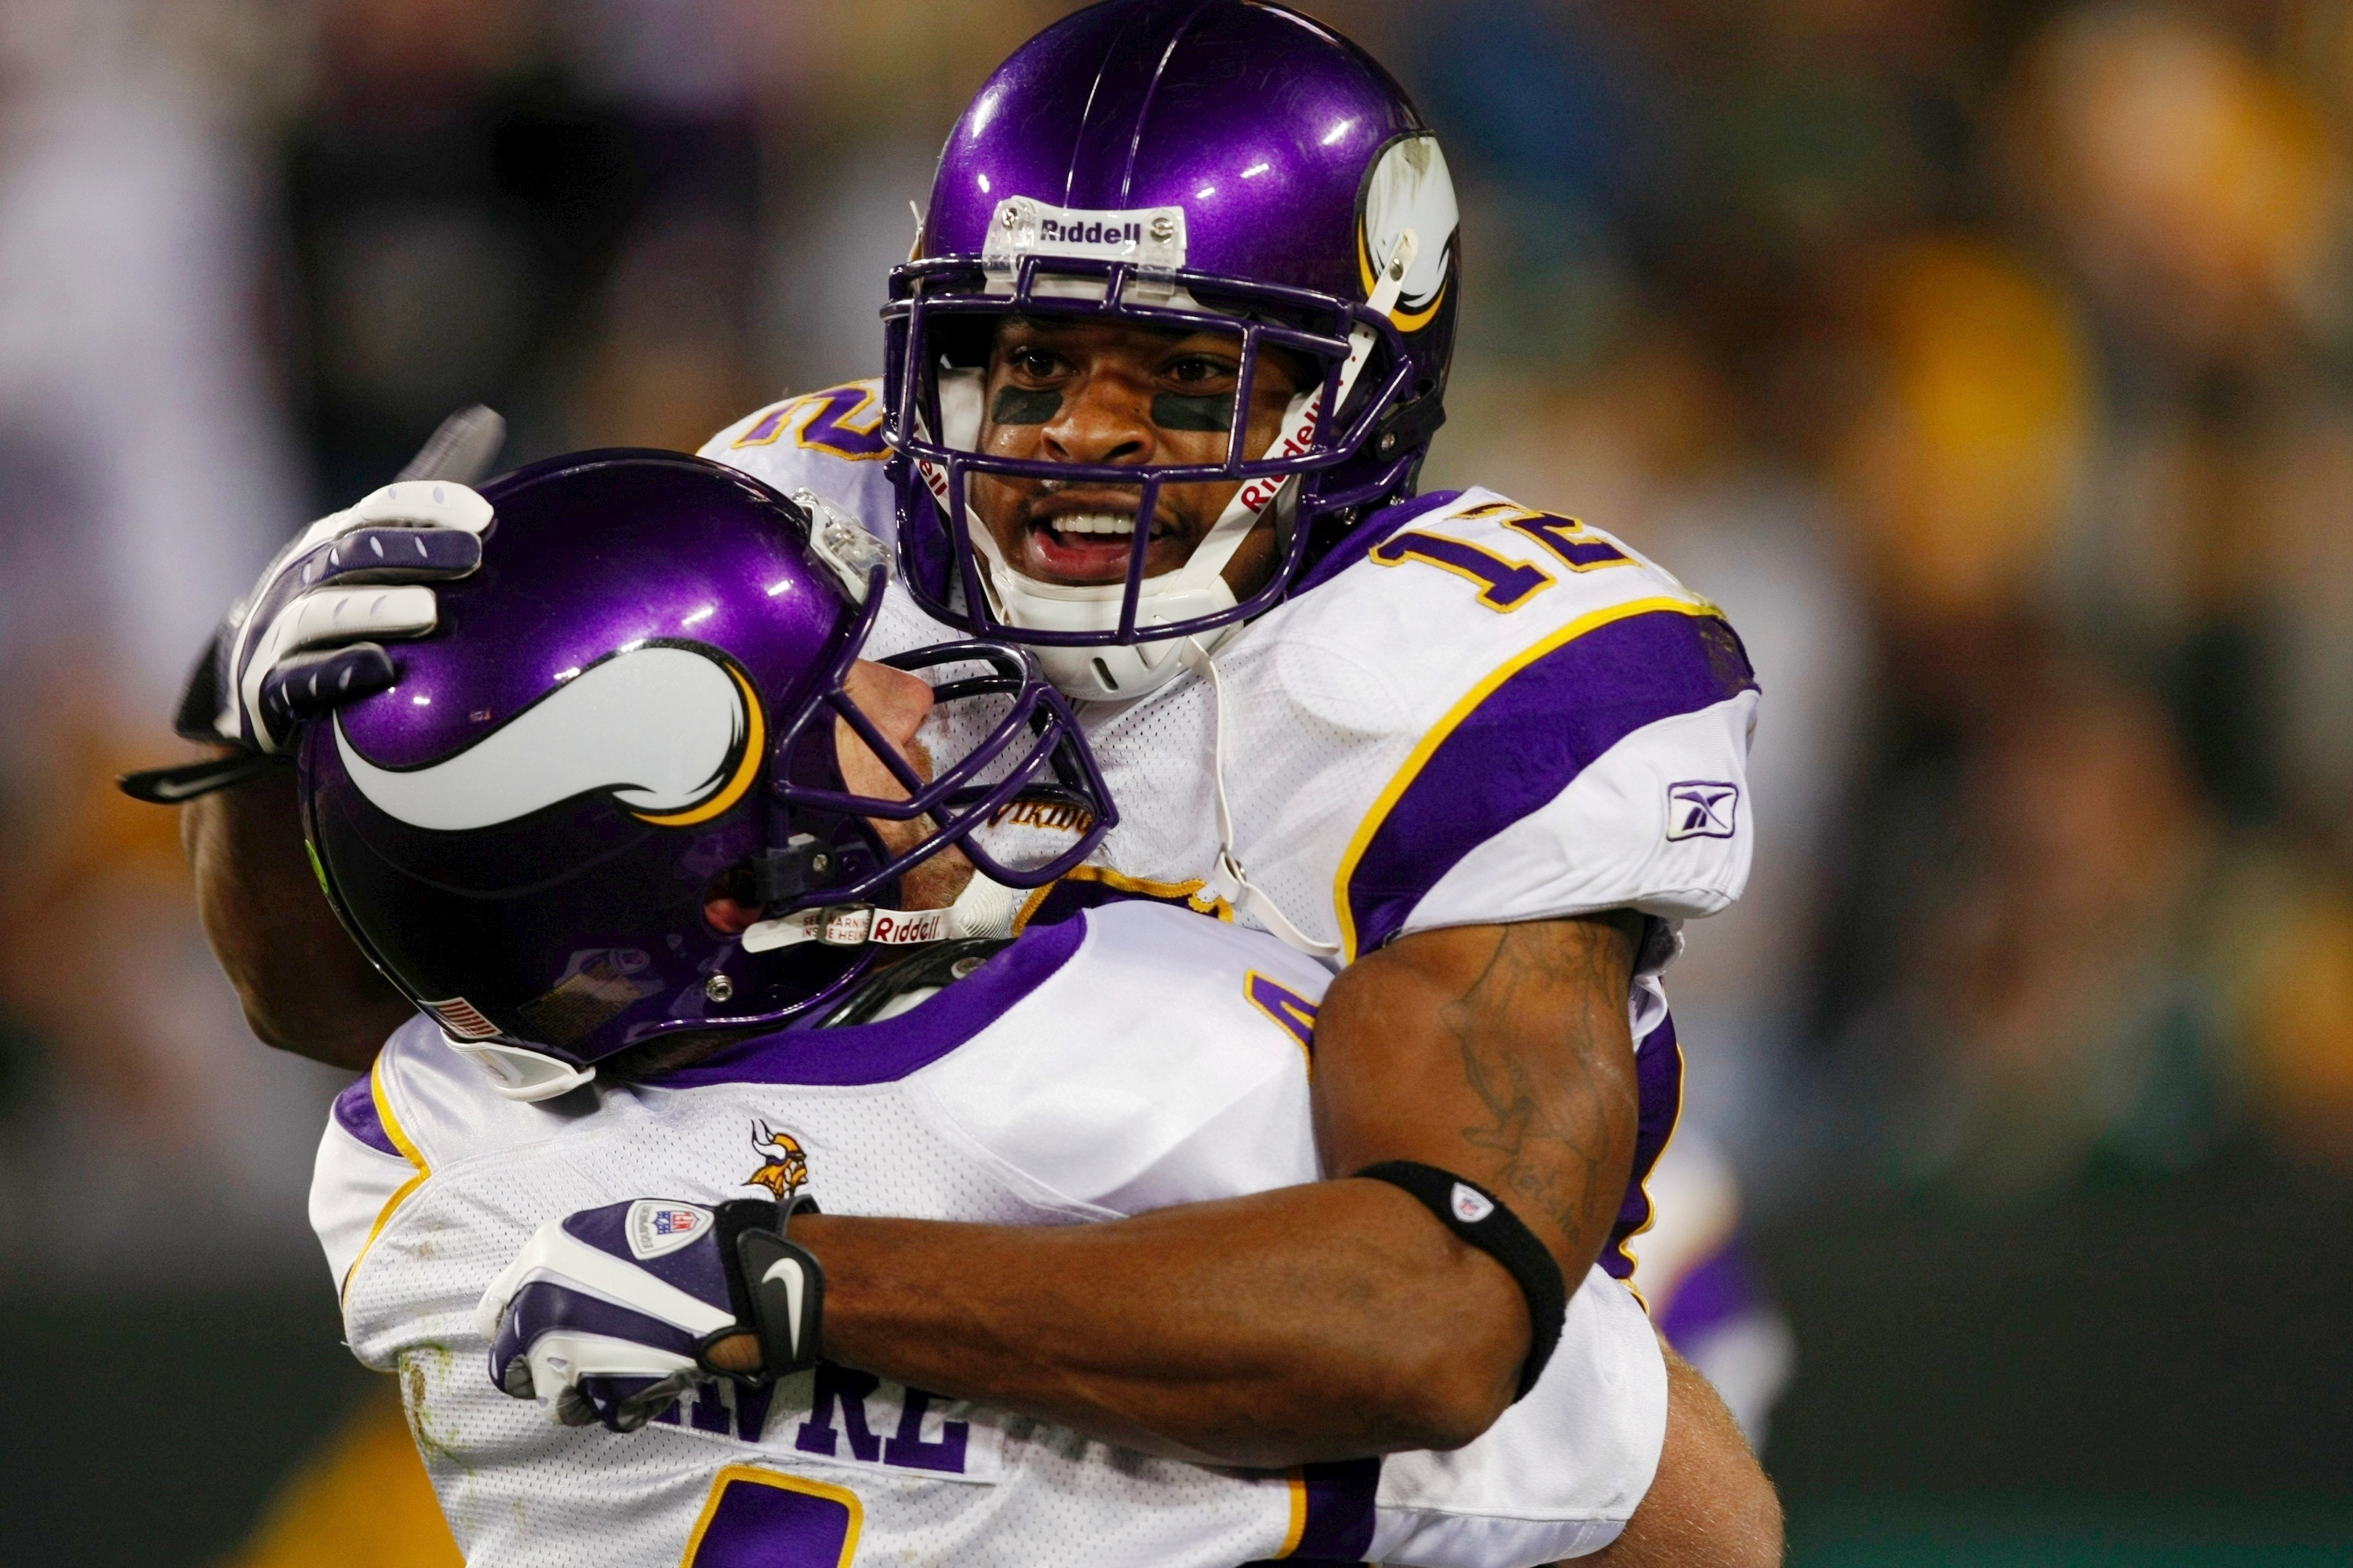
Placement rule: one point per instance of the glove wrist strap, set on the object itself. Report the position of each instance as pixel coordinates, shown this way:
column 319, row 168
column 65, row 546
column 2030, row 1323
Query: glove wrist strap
column 776, row 1285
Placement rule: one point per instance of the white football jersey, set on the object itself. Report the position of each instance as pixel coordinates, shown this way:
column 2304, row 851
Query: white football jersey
column 1126, row 1059
column 1472, row 712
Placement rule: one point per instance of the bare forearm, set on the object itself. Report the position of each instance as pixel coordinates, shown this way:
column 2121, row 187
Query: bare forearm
column 1711, row 1504
column 1500, row 1052
column 1318, row 1322
column 306, row 987
column 1313, row 1324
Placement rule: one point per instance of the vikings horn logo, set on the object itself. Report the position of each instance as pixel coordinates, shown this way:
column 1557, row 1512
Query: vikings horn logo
column 786, row 1171
column 1409, row 187
column 672, row 732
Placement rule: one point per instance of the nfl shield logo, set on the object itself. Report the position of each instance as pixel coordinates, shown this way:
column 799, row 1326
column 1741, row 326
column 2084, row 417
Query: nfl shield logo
column 1471, row 1206
column 657, row 1225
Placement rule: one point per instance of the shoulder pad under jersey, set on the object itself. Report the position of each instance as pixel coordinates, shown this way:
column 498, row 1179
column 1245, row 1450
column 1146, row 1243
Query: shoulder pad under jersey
column 830, row 441
column 1487, row 712
column 420, row 1108
column 1166, row 1062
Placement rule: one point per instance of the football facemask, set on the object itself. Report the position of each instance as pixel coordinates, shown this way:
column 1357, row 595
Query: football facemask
column 1338, row 253
column 632, row 716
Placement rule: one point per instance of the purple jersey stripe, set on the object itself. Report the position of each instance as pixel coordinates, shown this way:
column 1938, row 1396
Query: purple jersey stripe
column 1335, row 1520
column 1082, row 890
column 1339, row 1524
column 356, row 1114
column 1720, row 1289
column 1659, row 1085
column 1359, row 542
column 1528, row 740
column 886, row 1052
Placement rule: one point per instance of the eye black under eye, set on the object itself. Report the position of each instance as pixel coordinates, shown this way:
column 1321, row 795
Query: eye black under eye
column 1175, row 411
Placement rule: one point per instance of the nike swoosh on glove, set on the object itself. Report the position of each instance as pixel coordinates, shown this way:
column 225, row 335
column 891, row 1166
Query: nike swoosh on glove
column 608, row 1314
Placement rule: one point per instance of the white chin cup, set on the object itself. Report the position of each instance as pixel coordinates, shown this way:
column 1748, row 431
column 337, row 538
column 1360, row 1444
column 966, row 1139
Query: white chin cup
column 1118, row 672
column 517, row 1073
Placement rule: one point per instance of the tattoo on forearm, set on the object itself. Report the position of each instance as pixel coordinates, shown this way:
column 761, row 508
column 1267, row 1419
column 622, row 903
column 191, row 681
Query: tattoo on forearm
column 1554, row 1137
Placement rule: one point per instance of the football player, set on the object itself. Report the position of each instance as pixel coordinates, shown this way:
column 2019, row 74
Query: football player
column 1477, row 755
column 556, row 894
column 1482, row 758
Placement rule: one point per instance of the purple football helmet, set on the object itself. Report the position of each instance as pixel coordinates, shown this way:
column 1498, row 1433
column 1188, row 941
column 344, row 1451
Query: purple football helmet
column 628, row 716
column 1217, row 165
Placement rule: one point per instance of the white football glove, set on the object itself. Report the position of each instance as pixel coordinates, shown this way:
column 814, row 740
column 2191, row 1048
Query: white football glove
column 608, row 1314
column 301, row 640
column 304, row 639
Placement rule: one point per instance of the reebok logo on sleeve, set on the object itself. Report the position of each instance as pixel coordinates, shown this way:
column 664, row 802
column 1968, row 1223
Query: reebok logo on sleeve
column 1702, row 808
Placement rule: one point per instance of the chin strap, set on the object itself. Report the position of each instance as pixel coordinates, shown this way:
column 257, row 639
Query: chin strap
column 519, row 1073
column 1380, row 301
column 1229, row 881
column 985, row 908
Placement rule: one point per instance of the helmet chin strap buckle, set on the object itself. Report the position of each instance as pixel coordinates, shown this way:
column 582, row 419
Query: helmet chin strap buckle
column 849, row 925
column 518, row 1072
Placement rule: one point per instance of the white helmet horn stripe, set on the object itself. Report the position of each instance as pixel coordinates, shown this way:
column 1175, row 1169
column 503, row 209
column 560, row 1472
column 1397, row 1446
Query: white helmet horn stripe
column 670, row 731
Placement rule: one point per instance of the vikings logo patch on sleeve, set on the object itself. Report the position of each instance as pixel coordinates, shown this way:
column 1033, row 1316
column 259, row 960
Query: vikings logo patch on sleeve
column 1702, row 808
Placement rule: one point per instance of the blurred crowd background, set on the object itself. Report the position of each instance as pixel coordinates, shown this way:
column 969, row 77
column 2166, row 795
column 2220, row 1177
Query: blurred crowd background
column 1990, row 361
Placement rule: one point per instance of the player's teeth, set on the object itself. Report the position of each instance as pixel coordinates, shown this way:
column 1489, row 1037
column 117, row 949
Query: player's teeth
column 1094, row 522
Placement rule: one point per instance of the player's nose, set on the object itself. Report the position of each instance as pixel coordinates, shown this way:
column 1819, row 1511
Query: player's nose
column 1106, row 418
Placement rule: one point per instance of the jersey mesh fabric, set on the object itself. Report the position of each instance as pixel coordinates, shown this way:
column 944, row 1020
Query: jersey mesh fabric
column 1156, row 1073
column 518, row 1489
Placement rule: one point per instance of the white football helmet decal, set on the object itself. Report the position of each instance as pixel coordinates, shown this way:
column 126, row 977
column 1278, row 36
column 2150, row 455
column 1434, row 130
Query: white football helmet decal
column 1410, row 188
column 672, row 732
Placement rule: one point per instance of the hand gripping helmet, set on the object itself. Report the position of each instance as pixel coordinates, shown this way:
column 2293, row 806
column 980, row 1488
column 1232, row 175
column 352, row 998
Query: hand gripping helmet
column 631, row 711
column 1192, row 165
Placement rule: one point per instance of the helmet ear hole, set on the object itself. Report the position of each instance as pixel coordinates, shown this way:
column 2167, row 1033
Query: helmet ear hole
column 731, row 905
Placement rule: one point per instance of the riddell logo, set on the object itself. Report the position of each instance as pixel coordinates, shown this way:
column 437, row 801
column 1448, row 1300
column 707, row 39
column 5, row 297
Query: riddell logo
column 1097, row 233
column 1259, row 492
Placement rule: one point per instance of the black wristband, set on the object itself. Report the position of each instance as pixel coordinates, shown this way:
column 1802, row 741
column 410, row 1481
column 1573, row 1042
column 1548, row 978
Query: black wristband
column 776, row 1286
column 1481, row 1219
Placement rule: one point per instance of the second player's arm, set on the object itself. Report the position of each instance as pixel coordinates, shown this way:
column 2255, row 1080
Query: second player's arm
column 304, row 984
column 1315, row 1322
column 1320, row 1322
